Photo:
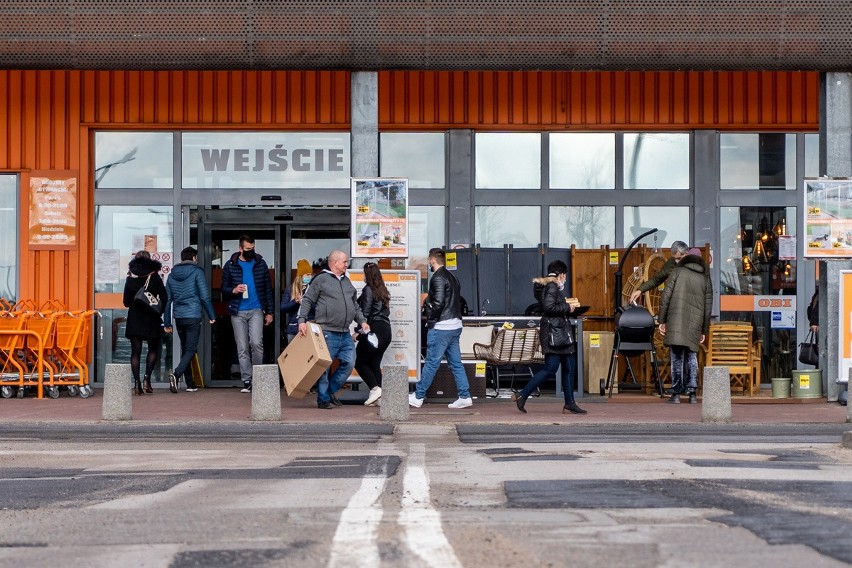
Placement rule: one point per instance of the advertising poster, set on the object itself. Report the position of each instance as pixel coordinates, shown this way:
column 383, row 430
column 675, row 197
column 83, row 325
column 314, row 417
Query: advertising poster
column 380, row 218
column 53, row 210
column 828, row 218
column 404, row 288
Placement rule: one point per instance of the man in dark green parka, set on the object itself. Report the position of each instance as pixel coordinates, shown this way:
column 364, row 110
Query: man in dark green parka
column 684, row 320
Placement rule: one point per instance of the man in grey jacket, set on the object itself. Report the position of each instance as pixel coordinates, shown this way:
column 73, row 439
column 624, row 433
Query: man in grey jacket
column 336, row 302
column 188, row 293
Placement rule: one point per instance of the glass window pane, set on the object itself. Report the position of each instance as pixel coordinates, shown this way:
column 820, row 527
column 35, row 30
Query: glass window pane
column 656, row 160
column 425, row 231
column 584, row 226
column 753, row 250
column 757, row 161
column 518, row 226
column 9, row 237
column 121, row 231
column 418, row 156
column 582, row 160
column 266, row 160
column 128, row 160
column 811, row 155
column 672, row 222
column 508, row 160
column 756, row 261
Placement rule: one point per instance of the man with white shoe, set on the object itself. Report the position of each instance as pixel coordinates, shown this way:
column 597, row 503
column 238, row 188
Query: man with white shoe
column 442, row 309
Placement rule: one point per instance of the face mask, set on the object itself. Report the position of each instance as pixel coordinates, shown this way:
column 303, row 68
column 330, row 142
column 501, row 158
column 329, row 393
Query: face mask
column 561, row 285
column 431, row 268
column 249, row 254
column 306, row 279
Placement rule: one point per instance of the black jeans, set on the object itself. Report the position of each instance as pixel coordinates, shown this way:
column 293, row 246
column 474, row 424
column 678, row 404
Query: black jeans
column 368, row 360
column 189, row 330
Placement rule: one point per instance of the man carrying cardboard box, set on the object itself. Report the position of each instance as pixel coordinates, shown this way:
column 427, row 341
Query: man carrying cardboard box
column 336, row 302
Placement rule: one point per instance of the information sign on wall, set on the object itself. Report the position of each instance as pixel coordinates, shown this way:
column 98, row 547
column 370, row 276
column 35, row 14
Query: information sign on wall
column 404, row 288
column 828, row 218
column 380, row 218
column 53, row 210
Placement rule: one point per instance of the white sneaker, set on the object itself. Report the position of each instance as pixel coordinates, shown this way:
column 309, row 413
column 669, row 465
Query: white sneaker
column 414, row 401
column 375, row 394
column 461, row 403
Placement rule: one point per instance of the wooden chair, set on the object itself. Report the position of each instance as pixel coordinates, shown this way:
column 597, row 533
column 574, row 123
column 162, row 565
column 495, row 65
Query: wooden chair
column 516, row 349
column 730, row 345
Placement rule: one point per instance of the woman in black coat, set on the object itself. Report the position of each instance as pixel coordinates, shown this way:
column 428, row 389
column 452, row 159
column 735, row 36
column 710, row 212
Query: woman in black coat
column 375, row 305
column 554, row 308
column 143, row 324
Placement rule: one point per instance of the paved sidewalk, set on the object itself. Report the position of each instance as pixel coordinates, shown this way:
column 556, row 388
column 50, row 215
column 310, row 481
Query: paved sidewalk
column 229, row 405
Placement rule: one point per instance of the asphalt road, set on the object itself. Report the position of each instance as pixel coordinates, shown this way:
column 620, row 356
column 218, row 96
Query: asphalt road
column 252, row 494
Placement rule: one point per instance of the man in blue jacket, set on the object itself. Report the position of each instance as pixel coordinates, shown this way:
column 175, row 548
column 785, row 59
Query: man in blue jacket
column 247, row 287
column 188, row 294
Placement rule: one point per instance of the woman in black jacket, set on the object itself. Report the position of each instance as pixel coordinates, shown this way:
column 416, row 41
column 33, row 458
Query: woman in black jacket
column 143, row 324
column 375, row 305
column 554, row 309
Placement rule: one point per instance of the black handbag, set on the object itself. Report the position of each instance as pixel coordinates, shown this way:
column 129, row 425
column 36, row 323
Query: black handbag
column 150, row 301
column 808, row 350
column 560, row 333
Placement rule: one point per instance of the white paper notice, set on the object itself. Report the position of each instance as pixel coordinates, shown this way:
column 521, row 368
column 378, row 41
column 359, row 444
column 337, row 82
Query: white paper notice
column 107, row 263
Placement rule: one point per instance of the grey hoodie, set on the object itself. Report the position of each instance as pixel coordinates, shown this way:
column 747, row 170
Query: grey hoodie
column 336, row 302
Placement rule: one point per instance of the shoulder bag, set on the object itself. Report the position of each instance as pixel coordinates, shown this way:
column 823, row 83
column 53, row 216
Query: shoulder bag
column 808, row 350
column 148, row 300
column 560, row 332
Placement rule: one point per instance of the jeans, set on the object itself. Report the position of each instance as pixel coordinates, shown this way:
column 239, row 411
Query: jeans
column 551, row 363
column 341, row 347
column 248, row 333
column 684, row 366
column 189, row 330
column 440, row 342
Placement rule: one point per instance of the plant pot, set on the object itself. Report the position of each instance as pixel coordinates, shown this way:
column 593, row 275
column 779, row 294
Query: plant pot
column 781, row 387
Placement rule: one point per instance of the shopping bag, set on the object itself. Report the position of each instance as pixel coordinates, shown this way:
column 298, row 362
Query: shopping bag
column 808, row 350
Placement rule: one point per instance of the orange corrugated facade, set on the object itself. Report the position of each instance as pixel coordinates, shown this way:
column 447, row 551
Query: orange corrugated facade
column 47, row 118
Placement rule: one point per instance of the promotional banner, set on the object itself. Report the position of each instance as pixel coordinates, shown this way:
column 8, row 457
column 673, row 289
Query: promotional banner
column 404, row 288
column 380, row 218
column 828, row 218
column 53, row 210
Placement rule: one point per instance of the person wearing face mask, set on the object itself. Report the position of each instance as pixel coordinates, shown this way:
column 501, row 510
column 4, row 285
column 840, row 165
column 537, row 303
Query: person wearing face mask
column 679, row 250
column 247, row 287
column 554, row 307
column 189, row 296
column 291, row 299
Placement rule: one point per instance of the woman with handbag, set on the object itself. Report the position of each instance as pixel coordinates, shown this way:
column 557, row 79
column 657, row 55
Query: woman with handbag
column 375, row 305
column 557, row 341
column 144, row 298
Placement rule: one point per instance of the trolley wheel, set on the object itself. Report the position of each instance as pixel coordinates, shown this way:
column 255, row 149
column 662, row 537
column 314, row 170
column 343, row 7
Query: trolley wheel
column 603, row 387
column 6, row 392
column 86, row 391
column 53, row 392
column 22, row 392
column 73, row 391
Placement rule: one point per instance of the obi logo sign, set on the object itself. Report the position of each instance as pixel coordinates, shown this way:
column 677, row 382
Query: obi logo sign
column 775, row 303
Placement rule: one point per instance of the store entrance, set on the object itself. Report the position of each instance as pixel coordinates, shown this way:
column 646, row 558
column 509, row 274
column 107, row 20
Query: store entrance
column 282, row 237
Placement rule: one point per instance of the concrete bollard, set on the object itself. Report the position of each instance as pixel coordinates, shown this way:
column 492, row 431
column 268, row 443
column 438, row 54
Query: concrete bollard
column 118, row 393
column 716, row 395
column 265, row 393
column 394, row 393
column 847, row 440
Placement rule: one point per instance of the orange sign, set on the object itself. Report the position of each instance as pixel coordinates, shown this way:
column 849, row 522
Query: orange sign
column 53, row 210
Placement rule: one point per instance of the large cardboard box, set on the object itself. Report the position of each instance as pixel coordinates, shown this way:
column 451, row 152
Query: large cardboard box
column 304, row 360
column 597, row 353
